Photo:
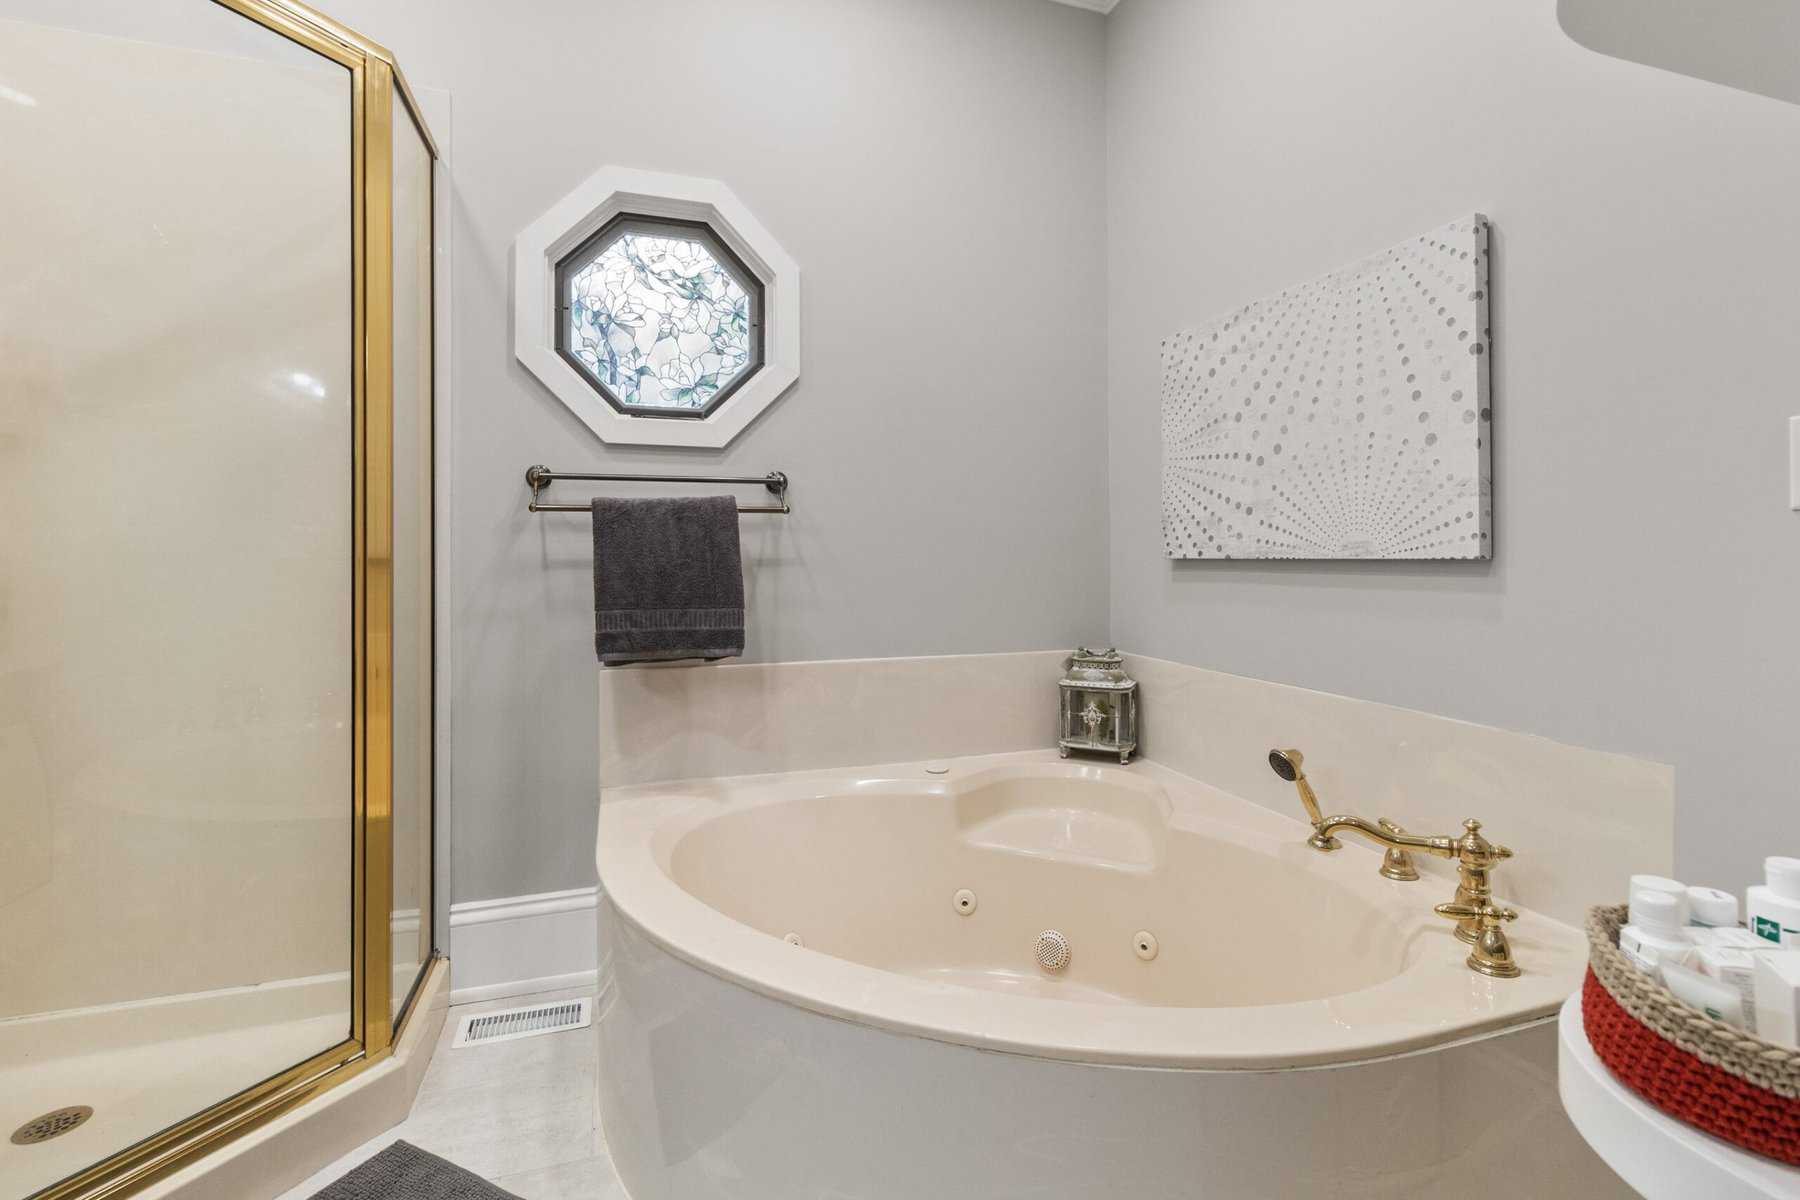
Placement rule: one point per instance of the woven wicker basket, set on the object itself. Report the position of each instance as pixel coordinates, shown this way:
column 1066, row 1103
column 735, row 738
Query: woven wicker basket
column 1713, row 1076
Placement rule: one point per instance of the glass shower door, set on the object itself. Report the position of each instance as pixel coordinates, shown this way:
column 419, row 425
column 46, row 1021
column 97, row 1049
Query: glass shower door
column 215, row 586
column 413, row 678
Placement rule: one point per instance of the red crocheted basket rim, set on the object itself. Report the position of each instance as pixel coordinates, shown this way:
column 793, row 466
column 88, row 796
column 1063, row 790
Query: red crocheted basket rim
column 1683, row 1086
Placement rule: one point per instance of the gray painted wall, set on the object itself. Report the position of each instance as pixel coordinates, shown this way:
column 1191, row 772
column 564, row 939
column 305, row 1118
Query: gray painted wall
column 920, row 159
column 1749, row 44
column 1646, row 325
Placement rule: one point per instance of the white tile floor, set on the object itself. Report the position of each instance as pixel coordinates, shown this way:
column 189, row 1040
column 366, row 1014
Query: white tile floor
column 519, row 1113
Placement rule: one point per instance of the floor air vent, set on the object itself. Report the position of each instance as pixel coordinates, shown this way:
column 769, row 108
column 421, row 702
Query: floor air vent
column 481, row 1028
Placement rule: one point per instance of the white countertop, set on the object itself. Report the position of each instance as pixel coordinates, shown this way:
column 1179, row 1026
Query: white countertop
column 1654, row 1153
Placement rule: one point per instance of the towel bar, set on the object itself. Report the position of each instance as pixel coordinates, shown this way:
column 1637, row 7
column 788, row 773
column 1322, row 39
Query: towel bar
column 540, row 477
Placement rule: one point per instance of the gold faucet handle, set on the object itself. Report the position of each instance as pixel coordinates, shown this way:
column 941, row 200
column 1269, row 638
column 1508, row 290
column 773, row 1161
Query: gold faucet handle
column 1490, row 915
column 1397, row 863
column 1475, row 849
column 1492, row 954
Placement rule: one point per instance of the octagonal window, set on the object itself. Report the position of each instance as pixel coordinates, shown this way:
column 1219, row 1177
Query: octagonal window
column 659, row 316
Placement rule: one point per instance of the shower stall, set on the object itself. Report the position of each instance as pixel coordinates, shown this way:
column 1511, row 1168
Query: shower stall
column 216, row 654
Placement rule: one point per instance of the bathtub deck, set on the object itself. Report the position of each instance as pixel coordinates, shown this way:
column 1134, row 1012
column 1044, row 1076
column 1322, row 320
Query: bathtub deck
column 1017, row 984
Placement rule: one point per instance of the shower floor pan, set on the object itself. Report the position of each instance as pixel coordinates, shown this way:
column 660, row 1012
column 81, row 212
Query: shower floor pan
column 146, row 1065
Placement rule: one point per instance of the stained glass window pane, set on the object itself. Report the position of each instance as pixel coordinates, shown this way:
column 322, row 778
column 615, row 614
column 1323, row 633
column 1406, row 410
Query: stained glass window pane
column 661, row 316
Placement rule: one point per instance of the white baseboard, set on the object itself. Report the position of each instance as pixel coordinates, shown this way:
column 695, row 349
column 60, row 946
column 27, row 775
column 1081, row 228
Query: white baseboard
column 524, row 987
column 517, row 945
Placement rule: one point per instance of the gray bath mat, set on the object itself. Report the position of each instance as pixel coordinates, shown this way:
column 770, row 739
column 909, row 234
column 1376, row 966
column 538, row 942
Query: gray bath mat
column 405, row 1172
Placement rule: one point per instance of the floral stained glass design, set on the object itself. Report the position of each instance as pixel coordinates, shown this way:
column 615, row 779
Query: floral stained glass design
column 660, row 319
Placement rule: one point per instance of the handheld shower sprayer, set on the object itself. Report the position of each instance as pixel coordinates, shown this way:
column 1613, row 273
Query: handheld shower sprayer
column 1287, row 764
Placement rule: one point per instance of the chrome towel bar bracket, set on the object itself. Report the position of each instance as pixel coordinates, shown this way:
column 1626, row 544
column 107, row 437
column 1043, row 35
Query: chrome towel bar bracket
column 540, row 477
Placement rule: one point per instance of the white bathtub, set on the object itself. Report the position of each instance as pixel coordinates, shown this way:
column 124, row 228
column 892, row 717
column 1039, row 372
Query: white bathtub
column 1305, row 1026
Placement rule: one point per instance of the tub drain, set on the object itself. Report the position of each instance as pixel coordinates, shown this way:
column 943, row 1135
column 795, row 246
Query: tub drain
column 1052, row 950
column 51, row 1124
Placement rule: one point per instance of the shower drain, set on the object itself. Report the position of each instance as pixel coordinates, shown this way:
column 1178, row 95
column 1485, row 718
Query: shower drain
column 51, row 1124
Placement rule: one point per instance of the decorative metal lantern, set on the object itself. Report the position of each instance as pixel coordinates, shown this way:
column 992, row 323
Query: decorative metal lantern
column 1099, row 704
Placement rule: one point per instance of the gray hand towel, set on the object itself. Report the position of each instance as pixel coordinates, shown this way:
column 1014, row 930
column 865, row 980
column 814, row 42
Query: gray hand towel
column 668, row 582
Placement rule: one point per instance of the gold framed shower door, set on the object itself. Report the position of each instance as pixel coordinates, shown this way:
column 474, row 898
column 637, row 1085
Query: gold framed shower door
column 375, row 80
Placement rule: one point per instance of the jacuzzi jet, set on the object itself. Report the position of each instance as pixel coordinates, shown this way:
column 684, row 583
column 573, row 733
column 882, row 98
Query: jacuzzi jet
column 1145, row 945
column 1052, row 950
column 964, row 901
column 794, row 939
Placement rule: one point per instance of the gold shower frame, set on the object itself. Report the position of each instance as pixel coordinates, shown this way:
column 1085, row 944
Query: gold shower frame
column 375, row 78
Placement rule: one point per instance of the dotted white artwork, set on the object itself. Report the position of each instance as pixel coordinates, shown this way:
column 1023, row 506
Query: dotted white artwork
column 1348, row 417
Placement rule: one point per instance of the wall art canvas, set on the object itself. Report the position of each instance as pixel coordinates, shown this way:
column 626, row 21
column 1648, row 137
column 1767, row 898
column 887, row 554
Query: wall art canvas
column 1348, row 417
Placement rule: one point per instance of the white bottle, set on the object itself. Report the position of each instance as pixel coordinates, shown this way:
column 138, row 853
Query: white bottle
column 1642, row 884
column 1772, row 909
column 1655, row 935
column 1710, row 906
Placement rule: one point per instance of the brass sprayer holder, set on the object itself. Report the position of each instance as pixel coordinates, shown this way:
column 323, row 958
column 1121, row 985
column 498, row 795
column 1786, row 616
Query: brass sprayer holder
column 1479, row 921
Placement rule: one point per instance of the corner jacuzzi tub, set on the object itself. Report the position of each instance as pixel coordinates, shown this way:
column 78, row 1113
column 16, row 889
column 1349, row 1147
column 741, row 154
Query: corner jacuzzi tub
column 1239, row 1015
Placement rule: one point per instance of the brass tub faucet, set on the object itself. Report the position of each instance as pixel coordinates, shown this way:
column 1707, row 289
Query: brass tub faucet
column 1479, row 921
column 1397, row 863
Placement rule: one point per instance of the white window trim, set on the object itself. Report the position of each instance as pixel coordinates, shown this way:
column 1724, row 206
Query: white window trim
column 572, row 220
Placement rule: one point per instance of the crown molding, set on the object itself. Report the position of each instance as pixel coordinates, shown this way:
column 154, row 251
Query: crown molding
column 1100, row 6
